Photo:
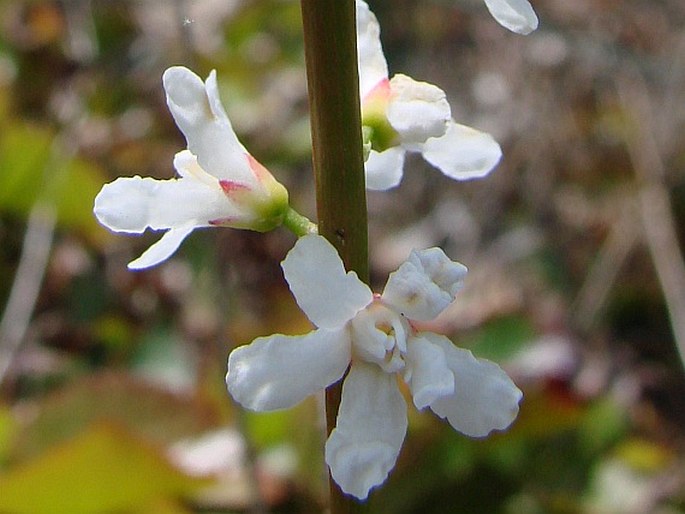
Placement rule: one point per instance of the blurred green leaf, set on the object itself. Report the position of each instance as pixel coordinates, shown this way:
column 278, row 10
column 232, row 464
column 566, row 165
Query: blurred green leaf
column 644, row 455
column 501, row 338
column 114, row 331
column 545, row 413
column 8, row 430
column 457, row 455
column 30, row 169
column 269, row 428
column 104, row 469
column 603, row 423
column 505, row 454
column 24, row 152
column 75, row 194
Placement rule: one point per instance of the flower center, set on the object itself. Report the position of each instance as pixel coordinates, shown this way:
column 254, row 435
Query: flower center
column 379, row 335
column 377, row 130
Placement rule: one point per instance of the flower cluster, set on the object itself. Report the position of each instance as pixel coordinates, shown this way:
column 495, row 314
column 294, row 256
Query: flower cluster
column 368, row 340
column 376, row 336
column 221, row 184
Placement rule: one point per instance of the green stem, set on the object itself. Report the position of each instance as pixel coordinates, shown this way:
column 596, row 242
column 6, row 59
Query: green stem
column 298, row 224
column 330, row 39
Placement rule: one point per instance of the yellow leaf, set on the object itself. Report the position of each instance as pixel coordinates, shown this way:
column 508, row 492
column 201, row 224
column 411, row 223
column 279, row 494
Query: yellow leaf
column 104, row 469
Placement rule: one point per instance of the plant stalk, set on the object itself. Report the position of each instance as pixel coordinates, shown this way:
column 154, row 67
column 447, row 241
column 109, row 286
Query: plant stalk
column 330, row 40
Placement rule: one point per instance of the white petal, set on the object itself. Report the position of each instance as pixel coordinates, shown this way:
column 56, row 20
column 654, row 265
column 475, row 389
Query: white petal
column 372, row 422
column 278, row 371
column 162, row 249
column 325, row 293
column 372, row 65
column 134, row 204
column 429, row 377
column 424, row 285
column 485, row 398
column 197, row 110
column 417, row 110
column 447, row 274
column 462, row 153
column 384, row 169
column 516, row 15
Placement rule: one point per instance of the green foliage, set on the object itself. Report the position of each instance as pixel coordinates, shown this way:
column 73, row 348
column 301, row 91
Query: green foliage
column 604, row 424
column 33, row 168
column 270, row 428
column 501, row 338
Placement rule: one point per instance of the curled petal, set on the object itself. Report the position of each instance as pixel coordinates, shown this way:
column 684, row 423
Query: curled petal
column 417, row 110
column 448, row 275
column 198, row 112
column 424, row 285
column 372, row 65
column 372, row 422
column 379, row 335
column 516, row 15
column 162, row 249
column 134, row 204
column 324, row 291
column 462, row 153
column 384, row 169
column 484, row 399
column 429, row 377
column 186, row 165
column 278, row 371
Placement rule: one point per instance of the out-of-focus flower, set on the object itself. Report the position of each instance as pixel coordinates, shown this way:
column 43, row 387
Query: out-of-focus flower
column 219, row 184
column 376, row 337
column 402, row 114
column 516, row 15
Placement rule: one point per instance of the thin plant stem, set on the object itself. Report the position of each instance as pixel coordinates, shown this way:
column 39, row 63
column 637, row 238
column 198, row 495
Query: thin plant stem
column 604, row 272
column 299, row 224
column 34, row 259
column 333, row 85
column 35, row 252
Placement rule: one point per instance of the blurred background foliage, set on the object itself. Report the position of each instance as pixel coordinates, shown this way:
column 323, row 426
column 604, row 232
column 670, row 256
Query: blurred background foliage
column 111, row 382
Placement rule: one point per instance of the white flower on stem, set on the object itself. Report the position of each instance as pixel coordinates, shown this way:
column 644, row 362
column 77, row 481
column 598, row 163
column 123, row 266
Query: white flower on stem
column 219, row 183
column 403, row 115
column 515, row 15
column 373, row 335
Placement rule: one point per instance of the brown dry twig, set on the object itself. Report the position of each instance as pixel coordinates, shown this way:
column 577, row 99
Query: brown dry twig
column 653, row 200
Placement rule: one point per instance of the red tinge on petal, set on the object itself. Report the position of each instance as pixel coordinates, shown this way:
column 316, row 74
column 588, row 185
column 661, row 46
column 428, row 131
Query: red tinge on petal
column 258, row 169
column 222, row 221
column 229, row 186
column 380, row 91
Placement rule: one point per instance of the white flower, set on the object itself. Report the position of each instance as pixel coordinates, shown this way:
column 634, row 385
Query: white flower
column 219, row 184
column 516, row 15
column 375, row 336
column 402, row 114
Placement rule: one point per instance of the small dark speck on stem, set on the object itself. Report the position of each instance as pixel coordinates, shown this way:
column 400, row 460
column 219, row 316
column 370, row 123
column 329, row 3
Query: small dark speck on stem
column 341, row 235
